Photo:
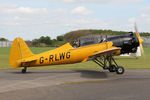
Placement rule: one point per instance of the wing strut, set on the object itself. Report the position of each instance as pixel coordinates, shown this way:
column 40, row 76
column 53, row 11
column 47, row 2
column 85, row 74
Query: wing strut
column 107, row 62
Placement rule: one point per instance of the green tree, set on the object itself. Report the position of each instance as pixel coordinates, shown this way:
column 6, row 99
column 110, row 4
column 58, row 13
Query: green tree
column 3, row 39
column 60, row 38
column 42, row 39
column 47, row 40
column 35, row 42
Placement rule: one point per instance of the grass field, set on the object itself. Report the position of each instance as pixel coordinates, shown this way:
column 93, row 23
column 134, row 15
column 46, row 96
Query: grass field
column 127, row 62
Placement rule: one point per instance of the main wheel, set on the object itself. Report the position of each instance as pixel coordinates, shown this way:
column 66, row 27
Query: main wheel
column 120, row 70
column 112, row 68
column 23, row 70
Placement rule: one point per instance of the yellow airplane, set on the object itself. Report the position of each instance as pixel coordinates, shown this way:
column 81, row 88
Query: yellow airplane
column 102, row 54
column 21, row 55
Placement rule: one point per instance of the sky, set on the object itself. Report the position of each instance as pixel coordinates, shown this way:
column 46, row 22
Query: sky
column 31, row 19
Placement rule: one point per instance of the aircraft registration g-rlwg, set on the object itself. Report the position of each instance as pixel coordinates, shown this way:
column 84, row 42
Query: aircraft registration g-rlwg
column 102, row 54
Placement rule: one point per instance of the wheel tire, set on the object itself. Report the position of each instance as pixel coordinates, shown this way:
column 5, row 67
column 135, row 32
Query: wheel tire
column 112, row 68
column 23, row 71
column 120, row 70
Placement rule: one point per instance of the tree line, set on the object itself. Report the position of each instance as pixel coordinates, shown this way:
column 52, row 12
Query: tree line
column 71, row 36
column 47, row 41
column 3, row 39
column 43, row 41
column 79, row 33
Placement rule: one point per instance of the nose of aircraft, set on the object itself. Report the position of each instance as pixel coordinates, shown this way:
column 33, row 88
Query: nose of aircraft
column 140, row 40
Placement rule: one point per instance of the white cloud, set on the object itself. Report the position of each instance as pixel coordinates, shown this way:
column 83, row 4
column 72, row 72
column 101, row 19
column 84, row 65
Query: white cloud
column 81, row 11
column 70, row 1
column 146, row 8
column 144, row 15
column 143, row 18
column 132, row 20
column 16, row 18
column 7, row 5
column 127, row 1
column 142, row 21
column 25, row 10
column 29, row 22
column 102, row 1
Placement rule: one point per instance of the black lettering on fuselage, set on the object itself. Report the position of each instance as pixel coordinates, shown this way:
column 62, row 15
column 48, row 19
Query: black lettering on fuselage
column 51, row 58
column 68, row 55
column 41, row 60
column 62, row 55
column 56, row 59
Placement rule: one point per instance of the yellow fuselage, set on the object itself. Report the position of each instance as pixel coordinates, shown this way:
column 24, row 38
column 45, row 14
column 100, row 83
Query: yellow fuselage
column 66, row 54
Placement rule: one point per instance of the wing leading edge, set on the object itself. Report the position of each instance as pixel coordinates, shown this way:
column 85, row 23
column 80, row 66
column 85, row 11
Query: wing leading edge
column 111, row 51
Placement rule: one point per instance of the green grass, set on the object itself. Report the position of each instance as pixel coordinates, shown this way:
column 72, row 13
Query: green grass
column 138, row 63
column 127, row 62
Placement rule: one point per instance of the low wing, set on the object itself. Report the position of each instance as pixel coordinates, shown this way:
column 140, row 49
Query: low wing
column 111, row 51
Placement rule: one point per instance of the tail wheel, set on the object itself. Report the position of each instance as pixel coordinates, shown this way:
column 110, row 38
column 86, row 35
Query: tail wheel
column 120, row 70
column 24, row 70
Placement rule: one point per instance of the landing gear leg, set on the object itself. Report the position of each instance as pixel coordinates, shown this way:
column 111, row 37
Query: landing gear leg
column 119, row 69
column 24, row 70
column 112, row 68
column 109, row 63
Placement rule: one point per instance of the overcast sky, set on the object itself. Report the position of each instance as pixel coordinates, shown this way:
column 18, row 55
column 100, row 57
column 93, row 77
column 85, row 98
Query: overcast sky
column 31, row 19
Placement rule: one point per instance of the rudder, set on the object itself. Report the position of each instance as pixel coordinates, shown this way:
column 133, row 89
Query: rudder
column 19, row 51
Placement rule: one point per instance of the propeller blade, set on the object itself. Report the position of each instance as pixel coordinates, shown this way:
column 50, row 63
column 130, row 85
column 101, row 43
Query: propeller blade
column 140, row 39
column 136, row 31
column 142, row 50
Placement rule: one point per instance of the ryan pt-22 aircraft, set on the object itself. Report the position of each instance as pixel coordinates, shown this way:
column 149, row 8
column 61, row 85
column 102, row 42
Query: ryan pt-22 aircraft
column 101, row 53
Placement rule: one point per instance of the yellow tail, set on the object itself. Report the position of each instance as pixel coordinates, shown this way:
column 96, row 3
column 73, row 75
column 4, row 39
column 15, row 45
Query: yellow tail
column 19, row 51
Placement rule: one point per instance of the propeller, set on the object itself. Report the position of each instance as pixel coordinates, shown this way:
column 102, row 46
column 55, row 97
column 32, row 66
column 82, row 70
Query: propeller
column 140, row 39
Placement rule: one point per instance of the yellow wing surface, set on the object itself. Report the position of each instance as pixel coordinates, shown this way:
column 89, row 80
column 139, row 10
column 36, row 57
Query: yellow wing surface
column 111, row 51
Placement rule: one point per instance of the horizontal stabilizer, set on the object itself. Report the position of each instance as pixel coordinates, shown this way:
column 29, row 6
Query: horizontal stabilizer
column 30, row 59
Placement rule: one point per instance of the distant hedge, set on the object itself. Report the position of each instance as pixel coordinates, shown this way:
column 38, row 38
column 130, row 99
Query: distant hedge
column 73, row 35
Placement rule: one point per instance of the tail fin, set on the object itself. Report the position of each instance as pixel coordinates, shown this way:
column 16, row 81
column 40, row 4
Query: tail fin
column 19, row 51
